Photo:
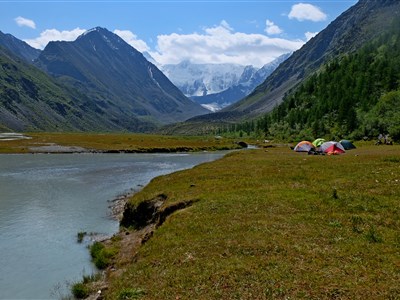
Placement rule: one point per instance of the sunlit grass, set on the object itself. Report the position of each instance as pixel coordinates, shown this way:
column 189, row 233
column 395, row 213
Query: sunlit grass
column 275, row 224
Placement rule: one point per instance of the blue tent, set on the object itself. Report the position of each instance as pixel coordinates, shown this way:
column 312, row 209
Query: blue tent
column 347, row 145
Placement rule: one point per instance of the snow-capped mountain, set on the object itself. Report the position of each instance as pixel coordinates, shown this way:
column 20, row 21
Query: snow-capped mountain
column 203, row 79
column 249, row 80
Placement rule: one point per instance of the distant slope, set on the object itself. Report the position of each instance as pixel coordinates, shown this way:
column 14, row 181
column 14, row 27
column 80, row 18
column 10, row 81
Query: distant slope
column 122, row 83
column 351, row 30
column 18, row 47
column 248, row 81
column 31, row 100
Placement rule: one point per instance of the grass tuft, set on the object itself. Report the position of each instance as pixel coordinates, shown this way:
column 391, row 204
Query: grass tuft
column 335, row 194
column 373, row 236
column 131, row 294
column 80, row 236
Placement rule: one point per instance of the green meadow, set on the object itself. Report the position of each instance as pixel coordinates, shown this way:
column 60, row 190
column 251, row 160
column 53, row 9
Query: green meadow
column 268, row 224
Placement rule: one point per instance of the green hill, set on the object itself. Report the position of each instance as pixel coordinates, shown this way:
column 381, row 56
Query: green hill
column 346, row 98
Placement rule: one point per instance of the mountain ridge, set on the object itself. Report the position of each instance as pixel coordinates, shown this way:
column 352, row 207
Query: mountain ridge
column 96, row 83
column 100, row 64
column 18, row 47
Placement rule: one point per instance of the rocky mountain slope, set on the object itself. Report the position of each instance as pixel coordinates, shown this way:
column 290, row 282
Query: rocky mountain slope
column 96, row 83
column 32, row 100
column 18, row 47
column 122, row 83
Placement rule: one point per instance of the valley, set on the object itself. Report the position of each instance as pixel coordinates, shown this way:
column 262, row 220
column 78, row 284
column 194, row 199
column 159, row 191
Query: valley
column 90, row 112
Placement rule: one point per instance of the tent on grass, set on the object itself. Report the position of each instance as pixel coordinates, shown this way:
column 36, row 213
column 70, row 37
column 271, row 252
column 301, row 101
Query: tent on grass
column 304, row 146
column 318, row 142
column 347, row 145
column 332, row 147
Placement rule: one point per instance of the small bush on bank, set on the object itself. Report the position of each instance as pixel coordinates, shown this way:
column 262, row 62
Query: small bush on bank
column 101, row 255
column 80, row 290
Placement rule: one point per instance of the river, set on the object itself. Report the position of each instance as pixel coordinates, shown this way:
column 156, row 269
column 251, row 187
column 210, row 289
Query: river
column 46, row 199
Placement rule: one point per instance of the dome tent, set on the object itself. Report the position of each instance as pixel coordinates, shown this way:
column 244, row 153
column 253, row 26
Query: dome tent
column 304, row 146
column 347, row 145
column 332, row 147
column 318, row 142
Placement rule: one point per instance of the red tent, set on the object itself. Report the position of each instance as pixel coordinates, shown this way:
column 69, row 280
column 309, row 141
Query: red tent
column 332, row 148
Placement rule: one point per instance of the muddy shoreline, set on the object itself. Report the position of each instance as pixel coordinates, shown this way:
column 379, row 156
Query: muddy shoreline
column 117, row 205
column 130, row 241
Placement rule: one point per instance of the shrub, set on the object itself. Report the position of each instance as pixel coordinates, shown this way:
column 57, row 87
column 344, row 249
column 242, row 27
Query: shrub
column 80, row 290
column 101, row 255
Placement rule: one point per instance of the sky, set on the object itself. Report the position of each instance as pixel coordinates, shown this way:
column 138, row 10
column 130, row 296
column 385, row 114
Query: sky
column 250, row 32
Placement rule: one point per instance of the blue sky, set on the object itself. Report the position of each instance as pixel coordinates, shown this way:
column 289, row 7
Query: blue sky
column 203, row 31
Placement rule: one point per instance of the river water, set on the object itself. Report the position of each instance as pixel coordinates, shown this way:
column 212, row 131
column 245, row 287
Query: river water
column 45, row 200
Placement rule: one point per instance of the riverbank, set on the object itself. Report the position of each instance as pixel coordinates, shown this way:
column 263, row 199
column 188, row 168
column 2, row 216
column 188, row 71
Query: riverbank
column 112, row 143
column 62, row 196
column 265, row 224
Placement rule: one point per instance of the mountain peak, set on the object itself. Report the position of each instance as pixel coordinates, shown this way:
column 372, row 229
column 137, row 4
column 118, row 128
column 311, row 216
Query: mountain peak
column 100, row 37
column 95, row 29
column 111, row 72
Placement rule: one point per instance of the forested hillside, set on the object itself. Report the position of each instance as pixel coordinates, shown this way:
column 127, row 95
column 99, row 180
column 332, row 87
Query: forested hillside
column 353, row 96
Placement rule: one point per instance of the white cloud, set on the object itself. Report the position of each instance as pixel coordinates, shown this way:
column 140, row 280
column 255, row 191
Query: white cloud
column 304, row 11
column 54, row 35
column 310, row 35
column 25, row 22
column 220, row 44
column 131, row 39
column 226, row 25
column 271, row 28
column 217, row 44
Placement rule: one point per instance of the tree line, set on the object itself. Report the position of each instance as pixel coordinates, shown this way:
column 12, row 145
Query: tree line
column 354, row 96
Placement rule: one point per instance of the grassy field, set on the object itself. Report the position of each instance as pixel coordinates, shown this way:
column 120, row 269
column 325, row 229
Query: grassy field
column 270, row 224
column 117, row 142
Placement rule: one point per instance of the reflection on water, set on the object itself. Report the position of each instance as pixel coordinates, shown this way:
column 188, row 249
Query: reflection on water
column 45, row 200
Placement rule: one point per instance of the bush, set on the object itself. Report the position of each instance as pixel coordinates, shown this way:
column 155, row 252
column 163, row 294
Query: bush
column 80, row 290
column 101, row 255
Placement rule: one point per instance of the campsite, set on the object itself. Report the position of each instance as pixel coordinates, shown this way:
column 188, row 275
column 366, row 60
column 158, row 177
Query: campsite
column 322, row 147
column 287, row 225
